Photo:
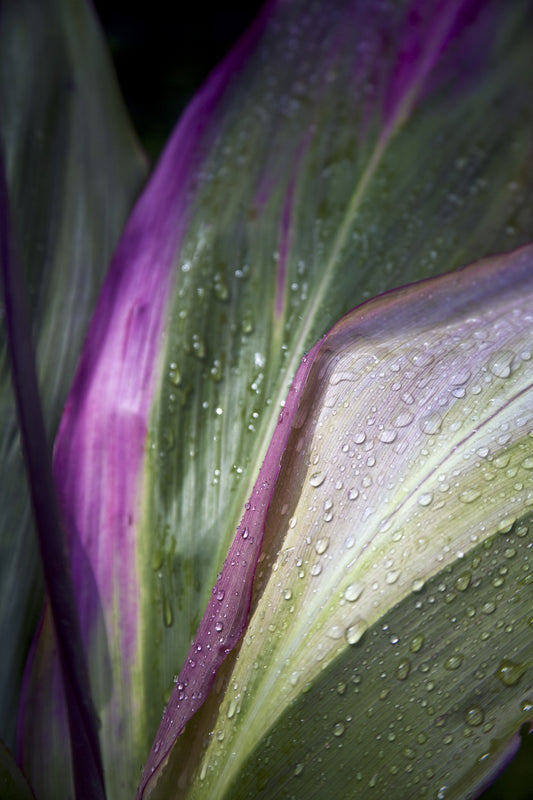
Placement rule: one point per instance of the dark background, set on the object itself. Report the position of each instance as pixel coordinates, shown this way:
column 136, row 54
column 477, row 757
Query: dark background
column 163, row 51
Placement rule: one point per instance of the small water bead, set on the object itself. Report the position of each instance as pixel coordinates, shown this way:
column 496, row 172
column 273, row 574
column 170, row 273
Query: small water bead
column 501, row 364
column 353, row 494
column 168, row 616
column 462, row 582
column 356, row 630
column 387, row 436
column 353, row 592
column 392, row 576
column 321, row 546
column 339, row 729
column 509, row 672
column 417, row 642
column 316, row 570
column 474, row 716
column 527, row 705
column 431, row 423
column 298, row 769
column 317, row 479
column 425, row 499
column 469, row 495
column 403, row 419
column 454, row 662
column 403, row 669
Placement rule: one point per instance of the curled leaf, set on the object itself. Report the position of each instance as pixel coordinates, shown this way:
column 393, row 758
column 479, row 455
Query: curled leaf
column 401, row 520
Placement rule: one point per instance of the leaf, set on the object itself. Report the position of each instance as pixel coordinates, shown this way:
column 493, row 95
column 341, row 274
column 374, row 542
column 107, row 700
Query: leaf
column 336, row 153
column 13, row 785
column 74, row 169
column 390, row 640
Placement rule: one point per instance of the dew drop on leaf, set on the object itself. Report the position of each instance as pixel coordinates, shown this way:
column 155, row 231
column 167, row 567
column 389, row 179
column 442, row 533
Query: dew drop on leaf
column 474, row 716
column 509, row 672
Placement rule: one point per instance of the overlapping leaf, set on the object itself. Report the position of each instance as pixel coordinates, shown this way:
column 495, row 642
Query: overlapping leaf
column 73, row 170
column 396, row 556
column 341, row 150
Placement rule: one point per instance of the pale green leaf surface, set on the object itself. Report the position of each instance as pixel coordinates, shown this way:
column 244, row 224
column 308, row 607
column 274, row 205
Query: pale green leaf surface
column 308, row 200
column 73, row 169
column 391, row 638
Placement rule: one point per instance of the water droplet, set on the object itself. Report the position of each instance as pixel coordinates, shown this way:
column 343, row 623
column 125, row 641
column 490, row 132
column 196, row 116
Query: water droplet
column 425, row 499
column 474, row 716
column 403, row 669
column 392, row 576
column 356, row 630
column 353, row 494
column 387, row 436
column 353, row 592
column 339, row 729
column 167, row 613
column 219, row 626
column 198, row 346
column 317, row 479
column 454, row 662
column 230, row 713
column 506, row 524
column 526, row 705
column 431, row 423
column 403, row 419
column 417, row 642
column 461, row 377
column 157, row 560
column 462, row 582
column 174, row 374
column 316, row 570
column 469, row 495
column 501, row 364
column 509, row 672
column 220, row 594
column 287, row 594
column 298, row 769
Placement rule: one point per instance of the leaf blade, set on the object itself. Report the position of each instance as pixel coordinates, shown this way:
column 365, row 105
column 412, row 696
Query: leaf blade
column 337, row 570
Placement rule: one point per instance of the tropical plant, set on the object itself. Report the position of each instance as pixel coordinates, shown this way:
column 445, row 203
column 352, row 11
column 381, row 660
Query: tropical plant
column 296, row 517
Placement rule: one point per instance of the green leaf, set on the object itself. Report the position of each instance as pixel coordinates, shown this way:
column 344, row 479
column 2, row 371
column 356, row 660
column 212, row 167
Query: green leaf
column 311, row 197
column 338, row 152
column 74, row 169
column 390, row 643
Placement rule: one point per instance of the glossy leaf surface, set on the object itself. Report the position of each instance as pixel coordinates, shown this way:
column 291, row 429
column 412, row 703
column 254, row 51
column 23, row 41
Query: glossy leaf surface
column 390, row 643
column 341, row 150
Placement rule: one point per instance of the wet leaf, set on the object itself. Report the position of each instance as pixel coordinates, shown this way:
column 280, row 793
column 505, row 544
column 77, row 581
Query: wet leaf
column 390, row 643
